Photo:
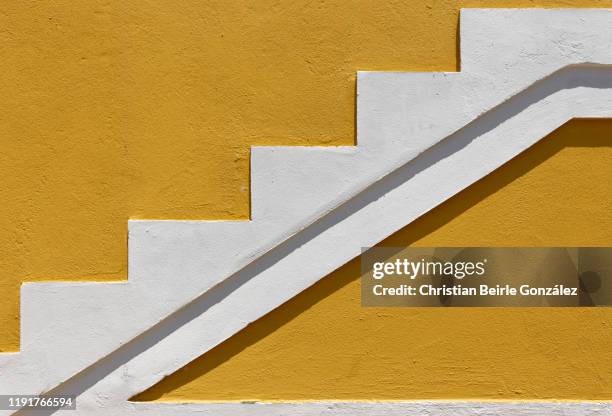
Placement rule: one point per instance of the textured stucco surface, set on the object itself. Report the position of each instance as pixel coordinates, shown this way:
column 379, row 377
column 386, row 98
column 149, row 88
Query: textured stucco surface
column 114, row 110
column 144, row 110
column 323, row 345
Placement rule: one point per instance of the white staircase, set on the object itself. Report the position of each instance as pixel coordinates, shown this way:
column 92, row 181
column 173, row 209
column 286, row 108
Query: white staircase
column 422, row 137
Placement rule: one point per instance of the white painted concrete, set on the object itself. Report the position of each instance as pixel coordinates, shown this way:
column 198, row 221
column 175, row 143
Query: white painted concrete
column 193, row 284
column 414, row 408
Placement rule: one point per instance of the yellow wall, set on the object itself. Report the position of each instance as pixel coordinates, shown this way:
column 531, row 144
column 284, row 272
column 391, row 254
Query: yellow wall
column 324, row 345
column 113, row 110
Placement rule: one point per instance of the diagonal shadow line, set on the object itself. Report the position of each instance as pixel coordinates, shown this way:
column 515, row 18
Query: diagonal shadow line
column 595, row 76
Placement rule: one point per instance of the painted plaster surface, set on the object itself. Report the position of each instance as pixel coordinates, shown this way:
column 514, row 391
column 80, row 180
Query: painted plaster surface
column 371, row 408
column 323, row 345
column 156, row 249
column 116, row 110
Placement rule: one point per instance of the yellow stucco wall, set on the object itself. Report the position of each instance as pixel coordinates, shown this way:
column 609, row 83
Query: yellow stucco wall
column 324, row 345
column 114, row 110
